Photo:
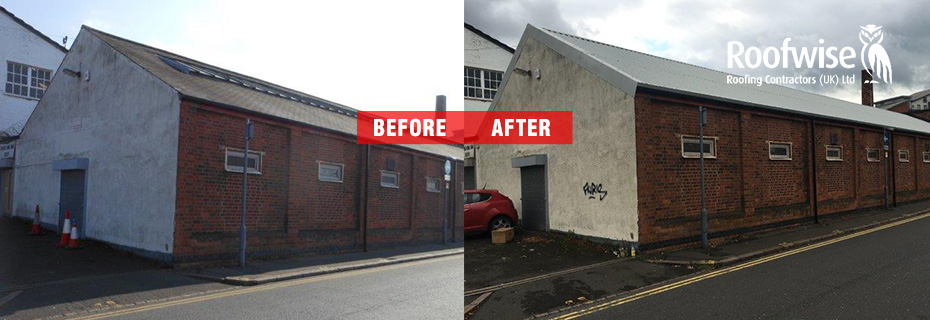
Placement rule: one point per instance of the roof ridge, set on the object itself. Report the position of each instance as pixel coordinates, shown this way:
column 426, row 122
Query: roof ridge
column 210, row 66
column 692, row 65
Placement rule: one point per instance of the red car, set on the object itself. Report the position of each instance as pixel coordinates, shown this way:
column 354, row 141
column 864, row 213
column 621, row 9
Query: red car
column 488, row 210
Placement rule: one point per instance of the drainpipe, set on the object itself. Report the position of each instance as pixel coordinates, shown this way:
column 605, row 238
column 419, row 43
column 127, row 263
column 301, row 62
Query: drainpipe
column 814, row 171
column 365, row 199
column 885, row 138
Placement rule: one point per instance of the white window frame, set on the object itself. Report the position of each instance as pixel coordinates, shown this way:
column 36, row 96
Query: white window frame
column 260, row 155
column 827, row 153
column 319, row 171
column 869, row 159
column 438, row 184
column 30, row 77
column 926, row 156
column 907, row 155
column 780, row 157
column 482, row 78
column 696, row 155
column 396, row 174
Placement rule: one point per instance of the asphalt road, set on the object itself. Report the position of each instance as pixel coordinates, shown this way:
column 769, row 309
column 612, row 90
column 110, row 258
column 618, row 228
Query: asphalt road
column 880, row 275
column 428, row 289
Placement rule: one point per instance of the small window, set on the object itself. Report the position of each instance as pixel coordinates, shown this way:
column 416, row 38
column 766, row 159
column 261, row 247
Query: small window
column 234, row 161
column 330, row 172
column 26, row 81
column 779, row 150
column 390, row 179
column 482, row 84
column 874, row 155
column 690, row 147
column 834, row 153
column 432, row 184
column 904, row 156
column 926, row 157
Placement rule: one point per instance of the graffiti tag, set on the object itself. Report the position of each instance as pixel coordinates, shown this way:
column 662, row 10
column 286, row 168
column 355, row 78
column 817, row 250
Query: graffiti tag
column 592, row 190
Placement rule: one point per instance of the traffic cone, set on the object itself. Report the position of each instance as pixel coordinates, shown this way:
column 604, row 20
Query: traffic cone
column 66, row 230
column 36, row 228
column 75, row 242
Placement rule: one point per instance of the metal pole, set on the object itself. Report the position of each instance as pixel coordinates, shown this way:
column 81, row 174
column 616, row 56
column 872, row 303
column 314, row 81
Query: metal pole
column 702, row 115
column 245, row 191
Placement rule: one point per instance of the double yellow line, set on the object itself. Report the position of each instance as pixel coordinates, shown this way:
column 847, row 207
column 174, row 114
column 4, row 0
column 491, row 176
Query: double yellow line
column 260, row 288
column 712, row 274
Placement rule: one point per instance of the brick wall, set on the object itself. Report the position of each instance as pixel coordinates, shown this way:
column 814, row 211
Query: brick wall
column 290, row 210
column 747, row 190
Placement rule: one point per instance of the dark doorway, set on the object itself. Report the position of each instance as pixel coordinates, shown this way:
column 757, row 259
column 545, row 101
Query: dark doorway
column 470, row 178
column 71, row 197
column 6, row 192
column 533, row 197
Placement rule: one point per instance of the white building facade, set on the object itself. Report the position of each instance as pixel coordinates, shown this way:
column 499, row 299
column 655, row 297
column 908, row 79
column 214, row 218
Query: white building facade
column 486, row 59
column 30, row 60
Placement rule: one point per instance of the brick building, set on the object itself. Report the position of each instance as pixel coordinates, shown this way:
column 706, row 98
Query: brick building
column 775, row 156
column 916, row 105
column 144, row 147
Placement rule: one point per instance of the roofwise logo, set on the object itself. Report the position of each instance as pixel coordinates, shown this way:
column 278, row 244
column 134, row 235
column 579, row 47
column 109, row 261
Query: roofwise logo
column 873, row 56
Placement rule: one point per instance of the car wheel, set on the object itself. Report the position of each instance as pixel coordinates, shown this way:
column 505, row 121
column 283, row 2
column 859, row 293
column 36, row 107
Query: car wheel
column 500, row 222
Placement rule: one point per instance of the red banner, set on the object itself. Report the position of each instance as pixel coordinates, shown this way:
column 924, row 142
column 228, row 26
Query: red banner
column 464, row 127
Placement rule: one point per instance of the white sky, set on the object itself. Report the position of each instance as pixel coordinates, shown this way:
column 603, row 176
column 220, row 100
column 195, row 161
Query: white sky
column 369, row 55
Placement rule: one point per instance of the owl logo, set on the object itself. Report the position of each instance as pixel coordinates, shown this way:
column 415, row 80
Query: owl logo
column 879, row 65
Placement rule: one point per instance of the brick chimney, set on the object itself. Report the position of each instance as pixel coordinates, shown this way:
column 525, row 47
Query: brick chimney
column 867, row 97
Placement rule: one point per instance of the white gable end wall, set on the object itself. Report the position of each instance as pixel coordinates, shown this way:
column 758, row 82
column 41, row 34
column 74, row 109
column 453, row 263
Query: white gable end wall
column 603, row 152
column 483, row 54
column 21, row 45
column 125, row 122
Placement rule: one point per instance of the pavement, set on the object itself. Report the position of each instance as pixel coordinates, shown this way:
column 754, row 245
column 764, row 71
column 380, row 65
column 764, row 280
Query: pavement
column 548, row 293
column 532, row 253
column 877, row 275
column 425, row 289
column 765, row 243
column 261, row 272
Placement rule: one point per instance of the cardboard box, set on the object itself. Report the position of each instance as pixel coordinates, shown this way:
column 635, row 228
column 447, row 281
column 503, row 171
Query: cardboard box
column 502, row 236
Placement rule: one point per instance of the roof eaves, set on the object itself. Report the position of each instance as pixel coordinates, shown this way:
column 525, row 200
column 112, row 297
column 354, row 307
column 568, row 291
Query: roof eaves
column 33, row 30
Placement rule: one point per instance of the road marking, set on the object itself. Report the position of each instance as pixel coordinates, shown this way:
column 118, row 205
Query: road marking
column 266, row 287
column 9, row 297
column 716, row 273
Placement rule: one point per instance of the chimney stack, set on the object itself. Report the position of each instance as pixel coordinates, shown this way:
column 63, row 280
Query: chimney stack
column 867, row 97
column 440, row 106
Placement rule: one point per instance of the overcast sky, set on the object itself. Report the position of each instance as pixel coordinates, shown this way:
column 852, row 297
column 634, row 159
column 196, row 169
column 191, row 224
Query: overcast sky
column 697, row 31
column 371, row 55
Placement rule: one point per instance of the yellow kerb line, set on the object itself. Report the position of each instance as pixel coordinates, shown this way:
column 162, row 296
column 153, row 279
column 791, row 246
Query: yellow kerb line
column 260, row 288
column 716, row 273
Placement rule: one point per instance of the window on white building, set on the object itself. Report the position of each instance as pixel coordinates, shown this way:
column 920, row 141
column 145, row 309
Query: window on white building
column 482, row 84
column 26, row 81
column 234, row 161
column 834, row 153
column 390, row 179
column 331, row 172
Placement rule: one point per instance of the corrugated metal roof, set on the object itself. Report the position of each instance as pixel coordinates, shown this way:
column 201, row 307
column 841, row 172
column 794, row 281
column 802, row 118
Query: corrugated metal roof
column 659, row 73
column 224, row 87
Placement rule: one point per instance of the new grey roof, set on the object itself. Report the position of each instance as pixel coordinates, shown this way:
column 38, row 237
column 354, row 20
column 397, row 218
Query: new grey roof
column 629, row 70
column 198, row 80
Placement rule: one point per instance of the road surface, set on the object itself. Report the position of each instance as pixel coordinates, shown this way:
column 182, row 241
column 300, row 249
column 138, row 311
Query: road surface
column 883, row 274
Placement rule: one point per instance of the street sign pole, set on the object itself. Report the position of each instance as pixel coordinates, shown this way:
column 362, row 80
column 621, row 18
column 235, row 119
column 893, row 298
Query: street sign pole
column 245, row 183
column 702, row 119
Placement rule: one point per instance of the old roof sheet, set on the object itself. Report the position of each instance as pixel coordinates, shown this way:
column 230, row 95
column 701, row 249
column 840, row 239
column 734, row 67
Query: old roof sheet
column 199, row 80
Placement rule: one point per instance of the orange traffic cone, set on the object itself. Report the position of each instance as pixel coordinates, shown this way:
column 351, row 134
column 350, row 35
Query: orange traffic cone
column 36, row 228
column 66, row 230
column 75, row 242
